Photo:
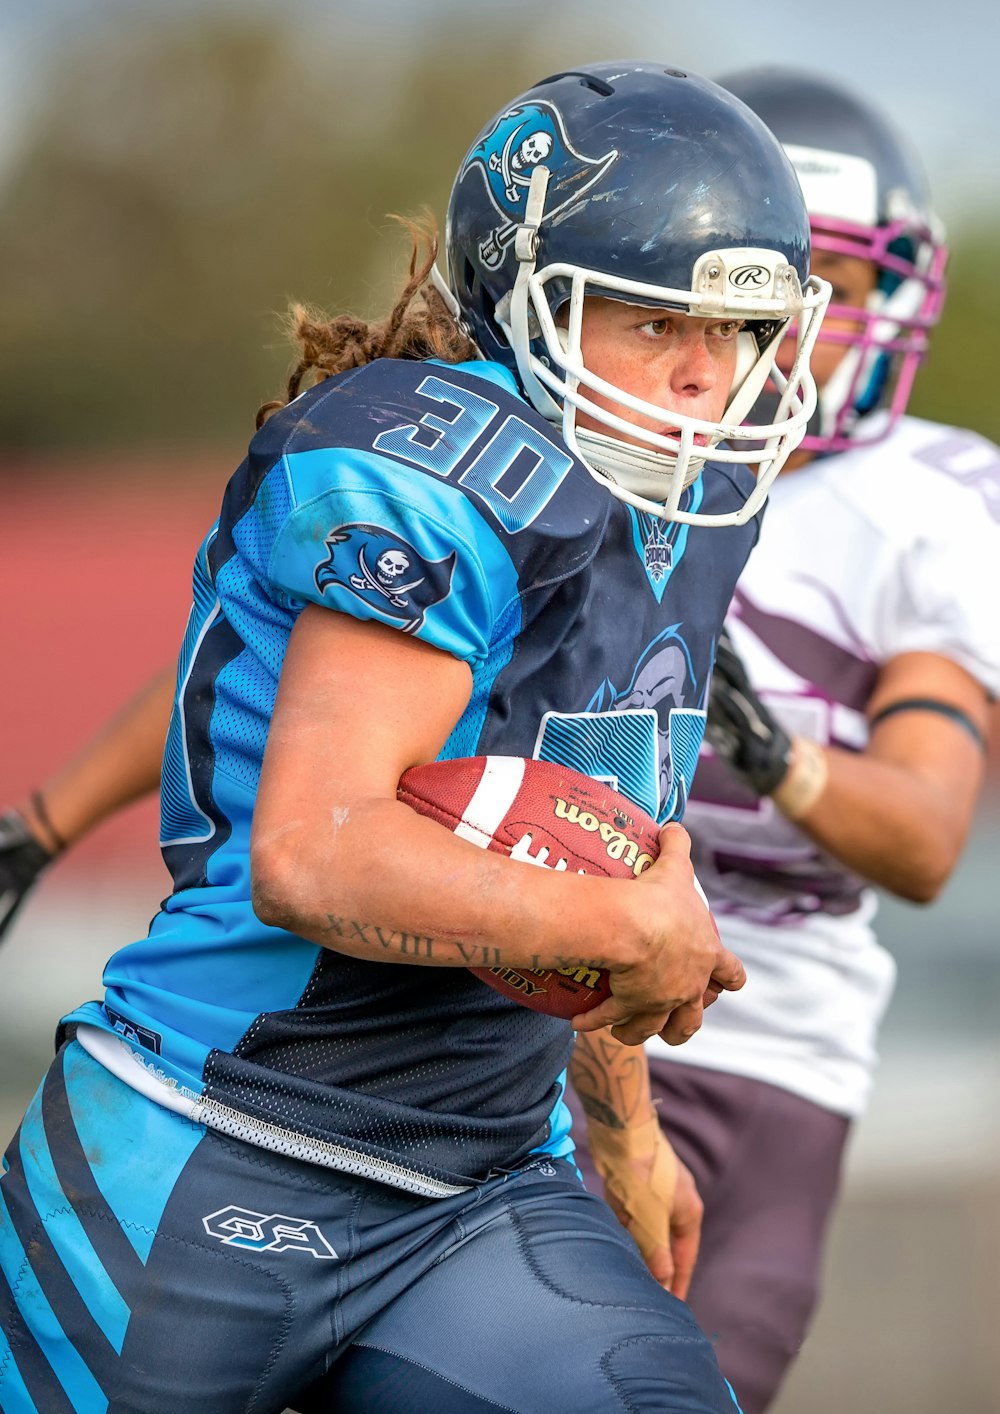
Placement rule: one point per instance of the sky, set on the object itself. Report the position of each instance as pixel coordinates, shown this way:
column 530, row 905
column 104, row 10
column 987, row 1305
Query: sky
column 933, row 68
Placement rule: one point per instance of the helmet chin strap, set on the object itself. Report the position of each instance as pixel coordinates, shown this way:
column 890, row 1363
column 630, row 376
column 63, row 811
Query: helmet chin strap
column 453, row 307
column 447, row 294
column 748, row 387
column 519, row 312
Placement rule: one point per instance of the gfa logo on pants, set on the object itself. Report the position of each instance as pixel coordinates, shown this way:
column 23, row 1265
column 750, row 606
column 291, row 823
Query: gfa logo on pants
column 267, row 1232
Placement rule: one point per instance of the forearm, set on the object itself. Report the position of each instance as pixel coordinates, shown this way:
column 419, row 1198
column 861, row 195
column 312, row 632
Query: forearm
column 653, row 1195
column 897, row 812
column 117, row 766
column 384, row 883
column 611, row 1080
column 896, row 827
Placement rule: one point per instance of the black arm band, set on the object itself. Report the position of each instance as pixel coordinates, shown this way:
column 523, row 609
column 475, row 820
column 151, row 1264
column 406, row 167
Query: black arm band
column 931, row 704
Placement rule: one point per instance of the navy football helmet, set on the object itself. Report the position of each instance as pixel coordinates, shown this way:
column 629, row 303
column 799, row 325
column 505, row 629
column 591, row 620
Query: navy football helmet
column 867, row 197
column 644, row 184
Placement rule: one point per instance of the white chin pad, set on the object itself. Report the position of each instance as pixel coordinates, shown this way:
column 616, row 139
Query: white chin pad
column 641, row 470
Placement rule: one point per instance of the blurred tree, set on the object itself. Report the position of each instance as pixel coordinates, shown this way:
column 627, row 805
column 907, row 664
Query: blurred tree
column 186, row 177
column 184, row 181
column 957, row 384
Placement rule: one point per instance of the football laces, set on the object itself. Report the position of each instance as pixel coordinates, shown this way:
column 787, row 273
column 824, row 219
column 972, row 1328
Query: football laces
column 523, row 850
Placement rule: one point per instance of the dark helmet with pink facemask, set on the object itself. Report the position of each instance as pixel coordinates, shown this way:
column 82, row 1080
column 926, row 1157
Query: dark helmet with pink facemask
column 867, row 196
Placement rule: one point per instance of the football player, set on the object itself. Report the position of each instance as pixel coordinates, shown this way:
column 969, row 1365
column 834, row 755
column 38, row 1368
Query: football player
column 298, row 1154
column 845, row 748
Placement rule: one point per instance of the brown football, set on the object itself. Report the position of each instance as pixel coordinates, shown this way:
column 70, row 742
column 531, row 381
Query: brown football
column 542, row 814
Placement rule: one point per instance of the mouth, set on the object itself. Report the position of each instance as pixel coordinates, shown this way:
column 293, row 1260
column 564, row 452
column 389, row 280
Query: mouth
column 700, row 439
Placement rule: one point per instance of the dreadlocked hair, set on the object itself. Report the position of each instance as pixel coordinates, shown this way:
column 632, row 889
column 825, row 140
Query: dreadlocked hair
column 419, row 326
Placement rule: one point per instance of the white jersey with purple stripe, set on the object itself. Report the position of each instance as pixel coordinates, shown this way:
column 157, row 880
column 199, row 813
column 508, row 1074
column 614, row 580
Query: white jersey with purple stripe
column 889, row 549
column 432, row 499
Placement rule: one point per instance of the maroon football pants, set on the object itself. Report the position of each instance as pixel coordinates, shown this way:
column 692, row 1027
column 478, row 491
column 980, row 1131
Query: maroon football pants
column 767, row 1164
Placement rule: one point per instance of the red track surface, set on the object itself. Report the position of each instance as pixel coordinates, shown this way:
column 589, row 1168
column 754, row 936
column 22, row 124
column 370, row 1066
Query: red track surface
column 95, row 587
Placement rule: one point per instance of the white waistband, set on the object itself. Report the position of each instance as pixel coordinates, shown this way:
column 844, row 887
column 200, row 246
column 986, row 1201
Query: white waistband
column 131, row 1066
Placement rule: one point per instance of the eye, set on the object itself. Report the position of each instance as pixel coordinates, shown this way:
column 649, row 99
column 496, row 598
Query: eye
column 727, row 328
column 656, row 327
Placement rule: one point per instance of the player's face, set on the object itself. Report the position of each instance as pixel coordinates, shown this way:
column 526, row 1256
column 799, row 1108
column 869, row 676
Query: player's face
column 674, row 360
column 853, row 280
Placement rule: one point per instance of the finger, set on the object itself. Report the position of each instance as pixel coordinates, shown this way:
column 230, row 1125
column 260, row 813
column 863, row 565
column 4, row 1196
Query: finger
column 635, row 1029
column 675, row 842
column 684, row 1249
column 684, row 1021
column 729, row 972
column 661, row 1264
column 609, row 1013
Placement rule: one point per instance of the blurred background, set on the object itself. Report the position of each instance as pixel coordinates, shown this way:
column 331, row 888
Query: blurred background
column 171, row 175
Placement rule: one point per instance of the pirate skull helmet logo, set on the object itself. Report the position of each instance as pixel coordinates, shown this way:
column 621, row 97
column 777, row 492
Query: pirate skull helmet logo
column 517, row 166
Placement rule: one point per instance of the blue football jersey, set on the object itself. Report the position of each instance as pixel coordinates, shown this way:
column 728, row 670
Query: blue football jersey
column 432, row 498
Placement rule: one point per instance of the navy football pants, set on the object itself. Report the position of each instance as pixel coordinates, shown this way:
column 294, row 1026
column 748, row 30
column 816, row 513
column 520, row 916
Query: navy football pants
column 148, row 1266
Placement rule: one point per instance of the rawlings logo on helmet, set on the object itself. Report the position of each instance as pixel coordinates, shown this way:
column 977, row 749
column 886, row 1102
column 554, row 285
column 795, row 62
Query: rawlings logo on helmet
column 518, row 142
column 750, row 277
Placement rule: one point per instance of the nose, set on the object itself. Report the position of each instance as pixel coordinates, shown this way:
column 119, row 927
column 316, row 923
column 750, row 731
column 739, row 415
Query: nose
column 694, row 371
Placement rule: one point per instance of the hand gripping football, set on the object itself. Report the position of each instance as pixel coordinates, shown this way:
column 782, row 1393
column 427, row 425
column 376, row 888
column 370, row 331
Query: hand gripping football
column 546, row 815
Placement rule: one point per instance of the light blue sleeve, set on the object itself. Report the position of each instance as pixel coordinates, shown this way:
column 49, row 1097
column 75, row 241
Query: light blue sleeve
column 370, row 538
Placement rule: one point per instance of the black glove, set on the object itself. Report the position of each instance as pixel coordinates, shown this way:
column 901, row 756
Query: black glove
column 22, row 859
column 740, row 728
